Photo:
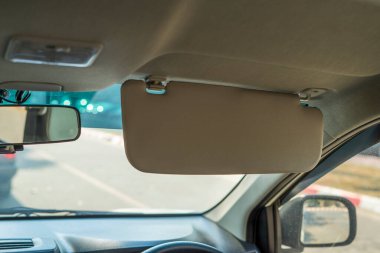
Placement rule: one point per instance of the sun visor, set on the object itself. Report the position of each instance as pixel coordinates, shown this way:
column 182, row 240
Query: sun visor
column 210, row 129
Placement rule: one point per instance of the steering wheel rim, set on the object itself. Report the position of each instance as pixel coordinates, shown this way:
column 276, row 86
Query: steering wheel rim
column 172, row 247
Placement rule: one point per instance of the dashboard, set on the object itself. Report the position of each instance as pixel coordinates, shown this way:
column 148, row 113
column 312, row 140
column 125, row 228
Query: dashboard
column 113, row 234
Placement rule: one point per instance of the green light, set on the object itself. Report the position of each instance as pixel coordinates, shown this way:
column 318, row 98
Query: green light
column 100, row 108
column 90, row 107
column 83, row 102
column 67, row 102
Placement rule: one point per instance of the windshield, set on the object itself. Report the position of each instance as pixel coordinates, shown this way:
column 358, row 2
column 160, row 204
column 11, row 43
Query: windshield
column 93, row 173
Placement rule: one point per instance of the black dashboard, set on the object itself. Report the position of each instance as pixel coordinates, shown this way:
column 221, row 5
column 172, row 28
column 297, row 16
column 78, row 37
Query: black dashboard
column 110, row 234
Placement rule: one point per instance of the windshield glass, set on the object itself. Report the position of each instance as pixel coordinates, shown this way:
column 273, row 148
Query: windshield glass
column 93, row 173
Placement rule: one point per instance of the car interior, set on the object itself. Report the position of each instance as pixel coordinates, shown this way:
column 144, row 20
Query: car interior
column 259, row 99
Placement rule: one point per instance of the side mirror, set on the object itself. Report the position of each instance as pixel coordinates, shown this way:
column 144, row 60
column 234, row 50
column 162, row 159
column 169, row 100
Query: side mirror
column 317, row 221
column 34, row 124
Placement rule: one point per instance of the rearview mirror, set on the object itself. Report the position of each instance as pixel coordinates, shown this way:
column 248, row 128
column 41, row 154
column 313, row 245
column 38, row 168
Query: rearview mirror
column 34, row 124
column 317, row 221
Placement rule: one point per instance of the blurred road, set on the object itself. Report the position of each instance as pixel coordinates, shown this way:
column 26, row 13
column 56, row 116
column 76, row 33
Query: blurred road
column 92, row 174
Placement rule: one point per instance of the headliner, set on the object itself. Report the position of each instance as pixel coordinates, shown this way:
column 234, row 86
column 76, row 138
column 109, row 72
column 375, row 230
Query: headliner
column 271, row 45
column 284, row 46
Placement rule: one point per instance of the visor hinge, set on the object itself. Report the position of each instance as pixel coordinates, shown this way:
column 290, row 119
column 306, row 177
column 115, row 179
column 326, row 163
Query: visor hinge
column 156, row 85
column 311, row 93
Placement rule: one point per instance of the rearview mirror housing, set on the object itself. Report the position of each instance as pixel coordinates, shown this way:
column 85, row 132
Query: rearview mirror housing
column 37, row 124
column 317, row 221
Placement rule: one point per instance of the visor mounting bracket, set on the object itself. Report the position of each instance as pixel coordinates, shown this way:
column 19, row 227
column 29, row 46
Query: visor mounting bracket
column 156, row 85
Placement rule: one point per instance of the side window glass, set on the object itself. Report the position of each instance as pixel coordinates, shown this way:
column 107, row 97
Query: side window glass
column 320, row 218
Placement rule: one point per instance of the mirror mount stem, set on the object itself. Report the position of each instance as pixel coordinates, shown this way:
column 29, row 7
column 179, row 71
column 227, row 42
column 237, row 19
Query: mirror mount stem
column 11, row 149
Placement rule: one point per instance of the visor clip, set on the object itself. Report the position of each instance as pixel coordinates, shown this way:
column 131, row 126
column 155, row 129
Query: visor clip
column 156, row 85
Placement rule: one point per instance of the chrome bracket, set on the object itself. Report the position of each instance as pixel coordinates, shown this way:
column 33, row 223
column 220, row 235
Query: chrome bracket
column 156, row 85
column 311, row 93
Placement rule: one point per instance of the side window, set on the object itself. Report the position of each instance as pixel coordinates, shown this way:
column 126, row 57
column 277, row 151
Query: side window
column 322, row 217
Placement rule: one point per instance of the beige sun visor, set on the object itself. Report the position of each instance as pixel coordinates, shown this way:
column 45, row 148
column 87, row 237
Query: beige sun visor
column 209, row 129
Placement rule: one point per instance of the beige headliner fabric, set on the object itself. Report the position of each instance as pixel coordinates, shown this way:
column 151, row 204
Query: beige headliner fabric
column 206, row 129
column 285, row 45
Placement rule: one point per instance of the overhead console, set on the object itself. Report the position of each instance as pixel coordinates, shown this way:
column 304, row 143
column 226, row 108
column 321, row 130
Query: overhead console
column 189, row 128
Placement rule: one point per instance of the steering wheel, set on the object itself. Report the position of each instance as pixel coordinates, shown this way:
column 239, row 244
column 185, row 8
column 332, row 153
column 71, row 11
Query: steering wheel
column 182, row 247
